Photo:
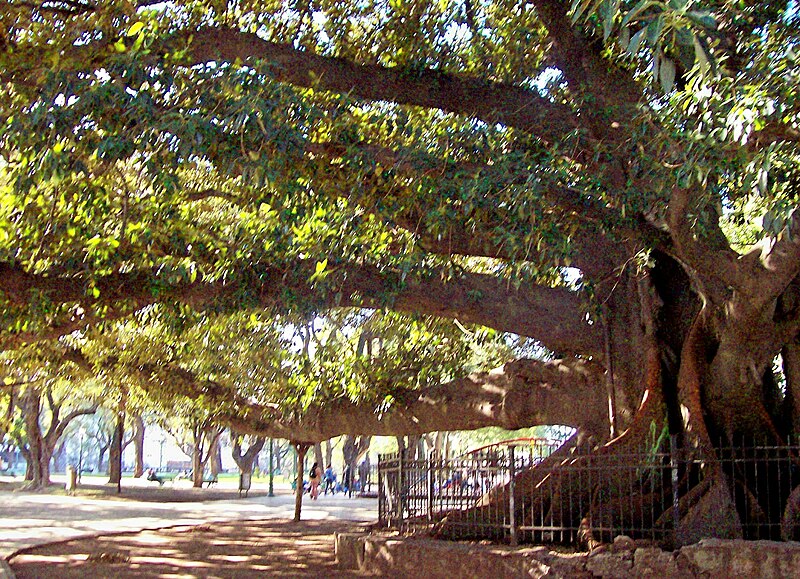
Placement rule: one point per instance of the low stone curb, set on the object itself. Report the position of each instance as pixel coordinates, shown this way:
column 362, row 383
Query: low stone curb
column 710, row 558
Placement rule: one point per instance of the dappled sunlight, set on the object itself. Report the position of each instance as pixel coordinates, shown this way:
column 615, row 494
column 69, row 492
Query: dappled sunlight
column 237, row 549
column 57, row 559
column 233, row 558
column 171, row 561
column 150, row 539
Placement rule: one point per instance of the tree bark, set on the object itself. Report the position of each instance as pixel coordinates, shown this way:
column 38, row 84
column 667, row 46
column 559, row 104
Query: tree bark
column 301, row 448
column 520, row 394
column 204, row 439
column 245, row 461
column 353, row 449
column 38, row 470
column 215, row 458
column 328, row 453
column 115, row 450
column 554, row 316
column 138, row 445
column 41, row 445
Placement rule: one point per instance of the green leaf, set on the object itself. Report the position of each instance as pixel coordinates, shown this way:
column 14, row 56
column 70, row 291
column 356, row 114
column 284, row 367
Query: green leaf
column 667, row 74
column 704, row 58
column 654, row 31
column 636, row 41
column 704, row 19
column 135, row 29
column 636, row 10
column 625, row 38
column 608, row 10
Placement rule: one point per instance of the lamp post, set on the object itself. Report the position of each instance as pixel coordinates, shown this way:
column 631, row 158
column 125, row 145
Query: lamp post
column 271, row 492
column 161, row 453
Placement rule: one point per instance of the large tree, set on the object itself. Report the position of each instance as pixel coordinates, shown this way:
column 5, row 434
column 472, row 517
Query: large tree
column 615, row 180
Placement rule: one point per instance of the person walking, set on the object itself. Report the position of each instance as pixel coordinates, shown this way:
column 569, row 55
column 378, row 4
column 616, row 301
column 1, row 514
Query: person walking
column 347, row 478
column 315, row 477
column 330, row 480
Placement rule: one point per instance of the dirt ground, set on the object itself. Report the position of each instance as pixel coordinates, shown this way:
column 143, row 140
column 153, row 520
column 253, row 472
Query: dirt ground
column 266, row 548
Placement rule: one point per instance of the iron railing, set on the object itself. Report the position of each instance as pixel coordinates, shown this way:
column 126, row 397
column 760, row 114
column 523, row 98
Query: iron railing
column 643, row 494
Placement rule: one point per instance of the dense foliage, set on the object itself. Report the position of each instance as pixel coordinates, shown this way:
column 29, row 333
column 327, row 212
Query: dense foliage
column 315, row 218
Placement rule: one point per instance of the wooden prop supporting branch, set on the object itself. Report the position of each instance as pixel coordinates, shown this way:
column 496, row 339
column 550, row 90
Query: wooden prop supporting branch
column 301, row 448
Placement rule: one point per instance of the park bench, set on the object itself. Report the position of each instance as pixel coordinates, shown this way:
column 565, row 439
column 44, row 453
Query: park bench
column 210, row 481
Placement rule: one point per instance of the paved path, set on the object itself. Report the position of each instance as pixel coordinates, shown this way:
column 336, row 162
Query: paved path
column 28, row 519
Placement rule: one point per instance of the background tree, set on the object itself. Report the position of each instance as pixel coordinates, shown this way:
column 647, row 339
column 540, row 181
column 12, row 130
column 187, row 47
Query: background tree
column 48, row 403
column 245, row 460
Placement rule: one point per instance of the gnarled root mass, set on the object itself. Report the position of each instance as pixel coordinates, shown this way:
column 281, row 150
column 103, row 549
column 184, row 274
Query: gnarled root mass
column 588, row 497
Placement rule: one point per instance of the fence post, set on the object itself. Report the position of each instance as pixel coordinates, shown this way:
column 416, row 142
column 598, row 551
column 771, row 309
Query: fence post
column 381, row 491
column 673, row 463
column 400, row 486
column 511, row 507
column 431, row 458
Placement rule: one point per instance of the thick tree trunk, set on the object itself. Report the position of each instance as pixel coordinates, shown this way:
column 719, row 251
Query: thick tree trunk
column 319, row 458
column 791, row 369
column 197, row 464
column 26, row 454
column 41, row 445
column 38, row 456
column 115, row 451
column 246, row 461
column 205, row 437
column 301, row 449
column 215, row 459
column 353, row 449
column 704, row 379
column 138, row 445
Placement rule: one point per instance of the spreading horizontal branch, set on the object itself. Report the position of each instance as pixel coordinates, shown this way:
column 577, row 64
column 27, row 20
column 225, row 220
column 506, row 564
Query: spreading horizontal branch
column 492, row 102
column 554, row 316
column 520, row 394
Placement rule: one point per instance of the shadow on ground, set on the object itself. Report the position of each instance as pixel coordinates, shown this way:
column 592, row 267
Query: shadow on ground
column 150, row 494
column 266, row 548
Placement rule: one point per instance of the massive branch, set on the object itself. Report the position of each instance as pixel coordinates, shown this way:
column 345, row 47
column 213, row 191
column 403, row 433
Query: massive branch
column 492, row 102
column 585, row 68
column 520, row 394
column 554, row 316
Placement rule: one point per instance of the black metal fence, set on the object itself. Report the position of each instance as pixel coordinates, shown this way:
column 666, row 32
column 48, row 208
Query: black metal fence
column 496, row 494
column 413, row 493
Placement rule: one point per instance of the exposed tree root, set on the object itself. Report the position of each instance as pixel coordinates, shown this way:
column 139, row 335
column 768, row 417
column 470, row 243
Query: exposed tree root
column 790, row 522
column 587, row 494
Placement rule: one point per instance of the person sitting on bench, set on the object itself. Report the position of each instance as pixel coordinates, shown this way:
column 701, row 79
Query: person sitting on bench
column 152, row 476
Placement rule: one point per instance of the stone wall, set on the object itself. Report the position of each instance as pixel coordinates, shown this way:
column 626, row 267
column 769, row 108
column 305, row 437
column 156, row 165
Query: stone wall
column 711, row 558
